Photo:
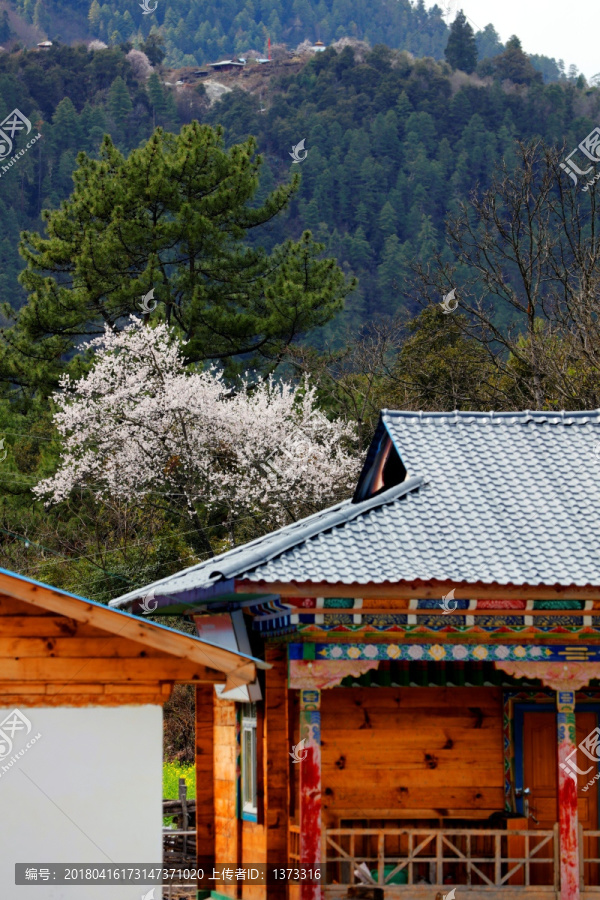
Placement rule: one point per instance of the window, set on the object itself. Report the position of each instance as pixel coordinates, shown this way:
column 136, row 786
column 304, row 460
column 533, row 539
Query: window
column 386, row 471
column 248, row 762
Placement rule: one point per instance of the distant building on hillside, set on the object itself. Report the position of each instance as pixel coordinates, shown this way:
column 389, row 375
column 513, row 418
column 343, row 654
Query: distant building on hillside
column 319, row 46
column 44, row 45
column 227, row 65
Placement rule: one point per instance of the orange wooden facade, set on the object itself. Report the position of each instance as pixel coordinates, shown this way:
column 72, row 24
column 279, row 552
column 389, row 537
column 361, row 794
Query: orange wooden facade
column 400, row 758
column 52, row 655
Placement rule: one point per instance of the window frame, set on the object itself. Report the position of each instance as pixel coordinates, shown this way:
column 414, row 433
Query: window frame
column 248, row 778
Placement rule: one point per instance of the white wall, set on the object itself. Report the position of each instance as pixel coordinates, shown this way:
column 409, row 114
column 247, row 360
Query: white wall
column 89, row 790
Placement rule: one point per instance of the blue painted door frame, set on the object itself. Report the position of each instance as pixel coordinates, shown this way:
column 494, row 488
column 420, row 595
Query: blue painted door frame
column 519, row 713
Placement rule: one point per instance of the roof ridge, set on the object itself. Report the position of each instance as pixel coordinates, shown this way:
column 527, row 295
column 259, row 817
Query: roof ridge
column 563, row 417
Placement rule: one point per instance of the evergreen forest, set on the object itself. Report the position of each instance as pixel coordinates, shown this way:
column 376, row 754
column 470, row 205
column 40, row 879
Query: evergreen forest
column 422, row 140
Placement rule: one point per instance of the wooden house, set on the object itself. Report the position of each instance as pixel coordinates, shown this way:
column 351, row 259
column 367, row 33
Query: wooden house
column 431, row 714
column 227, row 65
column 81, row 694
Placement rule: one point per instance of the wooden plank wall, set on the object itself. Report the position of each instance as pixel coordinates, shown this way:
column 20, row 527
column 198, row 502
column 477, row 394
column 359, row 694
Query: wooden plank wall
column 411, row 752
column 236, row 840
column 51, row 660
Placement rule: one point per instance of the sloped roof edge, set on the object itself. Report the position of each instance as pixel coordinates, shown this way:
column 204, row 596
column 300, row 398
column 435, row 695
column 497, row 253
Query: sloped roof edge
column 118, row 622
column 241, row 560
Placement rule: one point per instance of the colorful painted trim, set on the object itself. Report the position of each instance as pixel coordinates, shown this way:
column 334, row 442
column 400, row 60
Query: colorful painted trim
column 438, row 626
column 305, row 615
column 359, row 603
column 438, row 652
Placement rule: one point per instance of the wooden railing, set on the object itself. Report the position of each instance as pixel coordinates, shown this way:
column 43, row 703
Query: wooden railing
column 589, row 859
column 294, row 844
column 439, row 856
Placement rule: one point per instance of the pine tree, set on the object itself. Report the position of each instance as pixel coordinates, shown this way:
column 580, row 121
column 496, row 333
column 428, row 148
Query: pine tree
column 94, row 17
column 440, row 368
column 119, row 102
column 388, row 222
column 174, row 215
column 514, row 65
column 156, row 94
column 5, row 29
column 488, row 43
column 41, row 19
column 66, row 131
column 391, row 271
column 153, row 47
column 461, row 49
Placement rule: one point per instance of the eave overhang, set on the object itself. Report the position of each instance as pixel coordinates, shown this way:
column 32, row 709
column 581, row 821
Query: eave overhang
column 424, row 590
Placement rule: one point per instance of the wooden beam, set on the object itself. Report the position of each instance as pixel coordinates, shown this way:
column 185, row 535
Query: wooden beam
column 244, row 674
column 104, row 670
column 127, row 626
column 425, row 590
column 101, row 647
column 44, row 626
column 405, row 611
column 41, row 694
column 74, row 699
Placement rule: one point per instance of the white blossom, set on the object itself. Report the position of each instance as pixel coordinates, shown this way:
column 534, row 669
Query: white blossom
column 142, row 68
column 142, row 422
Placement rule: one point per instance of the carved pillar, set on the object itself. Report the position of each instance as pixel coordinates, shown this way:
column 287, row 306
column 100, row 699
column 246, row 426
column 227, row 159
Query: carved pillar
column 565, row 679
column 310, row 788
column 567, row 797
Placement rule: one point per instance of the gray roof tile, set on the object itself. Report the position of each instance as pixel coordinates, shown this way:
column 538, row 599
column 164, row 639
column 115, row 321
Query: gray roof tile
column 490, row 497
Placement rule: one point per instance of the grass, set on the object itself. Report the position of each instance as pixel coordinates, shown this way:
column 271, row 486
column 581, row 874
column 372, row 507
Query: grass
column 172, row 772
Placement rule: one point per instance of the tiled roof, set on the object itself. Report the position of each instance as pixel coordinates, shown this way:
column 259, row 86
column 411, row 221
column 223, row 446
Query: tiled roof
column 498, row 498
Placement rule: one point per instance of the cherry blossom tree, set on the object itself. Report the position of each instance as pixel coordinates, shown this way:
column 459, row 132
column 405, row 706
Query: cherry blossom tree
column 140, row 423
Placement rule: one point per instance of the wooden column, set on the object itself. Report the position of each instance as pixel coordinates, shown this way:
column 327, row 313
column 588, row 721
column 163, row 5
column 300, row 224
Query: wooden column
column 227, row 824
column 205, row 777
column 310, row 788
column 276, row 765
column 567, row 797
column 205, row 791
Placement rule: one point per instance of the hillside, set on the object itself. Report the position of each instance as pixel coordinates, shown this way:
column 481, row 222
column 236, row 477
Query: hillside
column 393, row 143
column 197, row 31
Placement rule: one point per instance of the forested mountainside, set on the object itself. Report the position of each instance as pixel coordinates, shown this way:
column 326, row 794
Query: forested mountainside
column 392, row 143
column 201, row 31
column 368, row 148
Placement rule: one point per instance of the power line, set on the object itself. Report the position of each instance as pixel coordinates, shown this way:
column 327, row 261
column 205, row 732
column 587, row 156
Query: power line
column 142, row 543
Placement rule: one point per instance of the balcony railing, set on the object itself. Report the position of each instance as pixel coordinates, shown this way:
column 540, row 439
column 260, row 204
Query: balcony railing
column 476, row 858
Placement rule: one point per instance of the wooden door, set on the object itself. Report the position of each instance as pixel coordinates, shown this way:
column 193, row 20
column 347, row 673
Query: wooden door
column 540, row 776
